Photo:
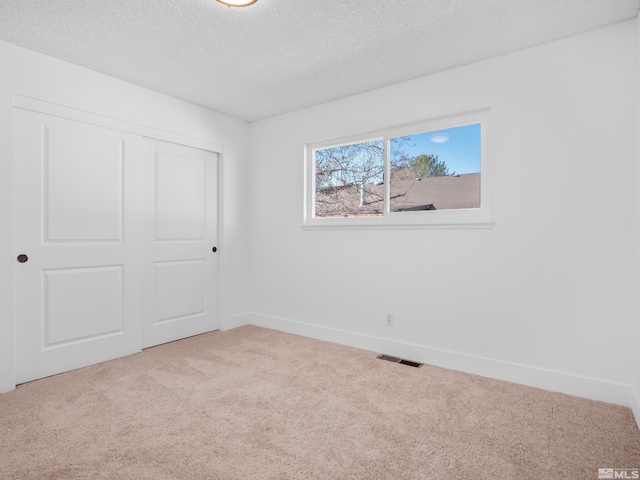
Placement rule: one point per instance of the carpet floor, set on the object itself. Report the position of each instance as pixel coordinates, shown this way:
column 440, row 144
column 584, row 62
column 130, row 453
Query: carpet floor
column 252, row 403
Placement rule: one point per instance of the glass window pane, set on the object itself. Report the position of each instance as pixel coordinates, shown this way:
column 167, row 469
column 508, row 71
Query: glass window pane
column 438, row 170
column 349, row 180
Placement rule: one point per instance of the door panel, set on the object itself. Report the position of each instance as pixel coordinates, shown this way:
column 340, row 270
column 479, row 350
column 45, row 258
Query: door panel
column 90, row 208
column 181, row 270
column 179, row 289
column 77, row 208
column 181, row 196
column 93, row 294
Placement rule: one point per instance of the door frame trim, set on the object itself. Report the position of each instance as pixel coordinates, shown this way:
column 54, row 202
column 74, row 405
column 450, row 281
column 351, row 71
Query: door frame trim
column 95, row 118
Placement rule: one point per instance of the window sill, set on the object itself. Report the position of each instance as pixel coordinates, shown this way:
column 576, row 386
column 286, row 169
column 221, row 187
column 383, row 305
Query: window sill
column 435, row 220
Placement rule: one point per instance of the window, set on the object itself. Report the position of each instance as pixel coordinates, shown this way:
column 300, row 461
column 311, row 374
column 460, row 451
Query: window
column 424, row 175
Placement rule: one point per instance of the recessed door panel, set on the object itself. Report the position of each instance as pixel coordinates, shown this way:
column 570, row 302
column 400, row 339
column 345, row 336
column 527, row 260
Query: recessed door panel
column 82, row 304
column 181, row 197
column 83, row 185
column 180, row 289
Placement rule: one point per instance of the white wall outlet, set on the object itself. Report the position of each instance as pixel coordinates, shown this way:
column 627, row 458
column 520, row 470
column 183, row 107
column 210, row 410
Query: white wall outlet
column 389, row 319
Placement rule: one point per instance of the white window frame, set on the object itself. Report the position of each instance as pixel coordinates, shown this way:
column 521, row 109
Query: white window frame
column 455, row 218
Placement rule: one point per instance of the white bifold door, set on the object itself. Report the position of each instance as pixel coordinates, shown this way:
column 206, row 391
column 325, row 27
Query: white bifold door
column 114, row 238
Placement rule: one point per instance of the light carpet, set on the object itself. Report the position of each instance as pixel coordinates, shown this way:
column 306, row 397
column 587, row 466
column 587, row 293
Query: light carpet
column 252, row 403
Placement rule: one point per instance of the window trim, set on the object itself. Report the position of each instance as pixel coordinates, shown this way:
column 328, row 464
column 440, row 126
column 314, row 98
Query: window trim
column 466, row 218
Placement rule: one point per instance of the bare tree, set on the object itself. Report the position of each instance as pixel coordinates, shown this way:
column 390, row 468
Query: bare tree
column 349, row 178
column 343, row 173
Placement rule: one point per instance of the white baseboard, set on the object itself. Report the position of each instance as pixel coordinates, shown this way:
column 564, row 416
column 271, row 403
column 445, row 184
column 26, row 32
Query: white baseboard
column 591, row 388
column 634, row 404
column 235, row 321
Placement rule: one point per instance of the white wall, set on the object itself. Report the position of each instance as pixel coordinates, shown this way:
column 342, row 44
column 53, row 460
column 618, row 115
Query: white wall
column 31, row 74
column 545, row 297
column 635, row 393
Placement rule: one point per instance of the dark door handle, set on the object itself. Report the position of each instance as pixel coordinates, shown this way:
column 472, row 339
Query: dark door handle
column 214, row 249
column 22, row 258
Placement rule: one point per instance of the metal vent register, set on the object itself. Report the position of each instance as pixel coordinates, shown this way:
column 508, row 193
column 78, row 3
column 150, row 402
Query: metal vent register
column 389, row 358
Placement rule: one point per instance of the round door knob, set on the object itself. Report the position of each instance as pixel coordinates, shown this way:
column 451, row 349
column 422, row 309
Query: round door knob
column 214, row 249
column 22, row 258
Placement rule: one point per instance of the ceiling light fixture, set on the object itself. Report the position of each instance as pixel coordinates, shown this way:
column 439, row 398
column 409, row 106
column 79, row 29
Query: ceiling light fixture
column 237, row 3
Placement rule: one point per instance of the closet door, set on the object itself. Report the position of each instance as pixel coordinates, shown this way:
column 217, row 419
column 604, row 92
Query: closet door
column 181, row 266
column 77, row 244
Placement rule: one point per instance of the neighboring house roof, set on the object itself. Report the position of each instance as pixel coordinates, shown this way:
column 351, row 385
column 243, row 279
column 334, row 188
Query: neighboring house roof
column 433, row 193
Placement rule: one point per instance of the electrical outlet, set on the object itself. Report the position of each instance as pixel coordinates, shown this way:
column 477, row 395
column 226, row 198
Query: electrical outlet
column 389, row 320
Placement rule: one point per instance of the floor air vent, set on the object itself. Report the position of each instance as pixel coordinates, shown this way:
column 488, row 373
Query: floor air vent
column 389, row 358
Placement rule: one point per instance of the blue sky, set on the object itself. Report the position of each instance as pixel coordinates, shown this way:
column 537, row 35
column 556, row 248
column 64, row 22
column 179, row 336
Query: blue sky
column 459, row 147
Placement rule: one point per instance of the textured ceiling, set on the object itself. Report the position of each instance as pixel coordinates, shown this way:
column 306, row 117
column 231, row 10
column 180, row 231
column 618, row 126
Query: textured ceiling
column 281, row 55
